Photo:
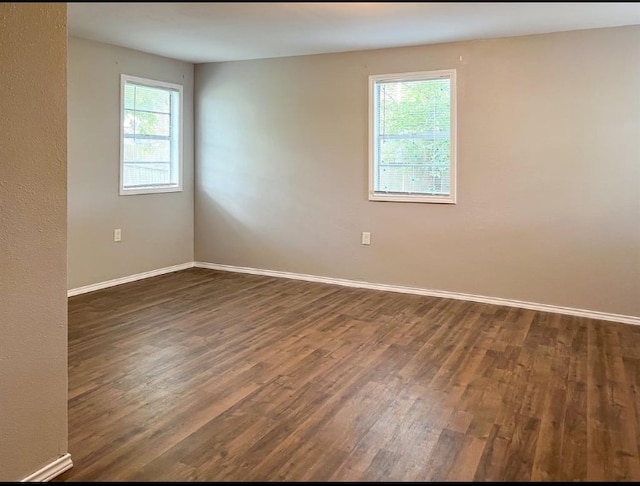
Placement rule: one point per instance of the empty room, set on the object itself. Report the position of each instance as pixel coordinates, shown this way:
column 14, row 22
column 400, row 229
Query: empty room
column 320, row 242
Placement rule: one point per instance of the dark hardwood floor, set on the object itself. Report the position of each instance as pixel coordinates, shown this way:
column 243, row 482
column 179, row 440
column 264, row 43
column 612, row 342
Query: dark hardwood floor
column 212, row 376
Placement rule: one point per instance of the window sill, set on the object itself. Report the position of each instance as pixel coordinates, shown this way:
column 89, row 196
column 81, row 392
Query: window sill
column 412, row 198
column 149, row 190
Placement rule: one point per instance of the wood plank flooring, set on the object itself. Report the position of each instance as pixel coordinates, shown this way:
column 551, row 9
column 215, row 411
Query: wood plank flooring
column 203, row 375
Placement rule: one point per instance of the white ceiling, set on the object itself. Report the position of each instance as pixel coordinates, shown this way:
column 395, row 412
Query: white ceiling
column 218, row 31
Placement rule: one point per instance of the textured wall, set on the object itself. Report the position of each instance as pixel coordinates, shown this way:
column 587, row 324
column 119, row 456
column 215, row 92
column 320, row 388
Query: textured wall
column 33, row 253
column 548, row 170
column 157, row 229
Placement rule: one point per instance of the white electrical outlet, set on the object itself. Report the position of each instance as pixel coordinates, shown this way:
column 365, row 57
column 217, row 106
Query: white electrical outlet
column 117, row 234
column 366, row 238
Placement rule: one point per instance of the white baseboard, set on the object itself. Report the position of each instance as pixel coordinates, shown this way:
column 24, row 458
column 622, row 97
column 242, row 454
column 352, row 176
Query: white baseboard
column 130, row 278
column 51, row 470
column 365, row 285
column 431, row 293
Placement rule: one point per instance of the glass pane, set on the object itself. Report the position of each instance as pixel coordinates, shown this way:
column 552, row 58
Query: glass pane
column 412, row 151
column 415, row 106
column 135, row 174
column 144, row 123
column 415, row 179
column 129, row 92
column 414, row 129
column 145, row 150
column 151, row 99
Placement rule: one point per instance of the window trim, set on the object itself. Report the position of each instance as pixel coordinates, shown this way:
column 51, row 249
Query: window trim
column 373, row 107
column 152, row 83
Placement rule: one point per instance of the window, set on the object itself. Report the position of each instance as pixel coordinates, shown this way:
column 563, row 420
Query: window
column 412, row 128
column 150, row 136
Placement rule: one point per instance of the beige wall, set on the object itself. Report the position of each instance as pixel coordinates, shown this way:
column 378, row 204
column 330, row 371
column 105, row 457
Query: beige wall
column 157, row 229
column 33, row 258
column 549, row 175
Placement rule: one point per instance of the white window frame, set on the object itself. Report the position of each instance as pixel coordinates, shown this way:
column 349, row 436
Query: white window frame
column 373, row 130
column 124, row 79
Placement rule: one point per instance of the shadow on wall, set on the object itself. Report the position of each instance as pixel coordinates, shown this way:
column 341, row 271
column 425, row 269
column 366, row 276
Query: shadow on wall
column 244, row 219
